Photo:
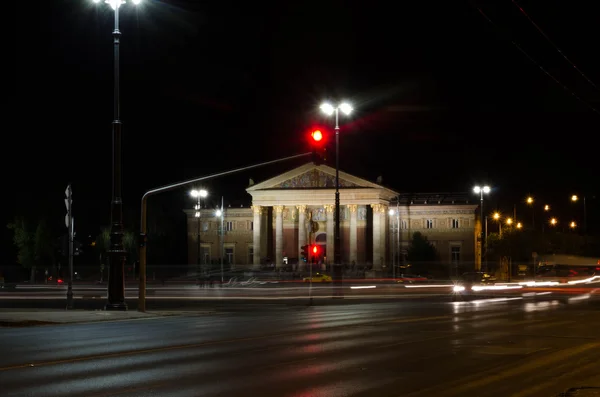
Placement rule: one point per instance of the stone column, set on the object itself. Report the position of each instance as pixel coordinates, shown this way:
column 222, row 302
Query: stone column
column 353, row 243
column 301, row 232
column 377, row 252
column 278, row 235
column 329, row 209
column 258, row 210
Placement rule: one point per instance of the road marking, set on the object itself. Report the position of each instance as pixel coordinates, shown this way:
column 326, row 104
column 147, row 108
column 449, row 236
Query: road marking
column 409, row 342
column 289, row 362
column 419, row 319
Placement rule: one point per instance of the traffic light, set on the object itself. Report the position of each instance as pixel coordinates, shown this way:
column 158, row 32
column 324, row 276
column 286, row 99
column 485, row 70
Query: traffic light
column 317, row 141
column 304, row 253
column 315, row 253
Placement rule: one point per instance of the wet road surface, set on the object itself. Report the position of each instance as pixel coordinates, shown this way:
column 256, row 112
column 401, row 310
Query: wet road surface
column 488, row 347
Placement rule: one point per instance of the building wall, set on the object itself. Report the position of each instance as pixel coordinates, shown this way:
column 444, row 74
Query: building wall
column 442, row 233
column 444, row 226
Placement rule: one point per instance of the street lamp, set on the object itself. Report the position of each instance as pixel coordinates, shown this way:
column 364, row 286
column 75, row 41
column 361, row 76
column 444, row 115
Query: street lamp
column 573, row 225
column 575, row 198
column 481, row 191
column 396, row 245
column 553, row 221
column 329, row 110
column 220, row 213
column 198, row 194
column 546, row 207
column 117, row 253
column 519, row 225
column 529, row 201
column 509, row 221
column 497, row 217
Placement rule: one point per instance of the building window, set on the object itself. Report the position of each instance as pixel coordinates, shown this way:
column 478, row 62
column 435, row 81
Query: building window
column 205, row 226
column 455, row 224
column 429, row 224
column 455, row 254
column 228, row 226
column 403, row 224
column 229, row 256
column 250, row 255
column 250, row 225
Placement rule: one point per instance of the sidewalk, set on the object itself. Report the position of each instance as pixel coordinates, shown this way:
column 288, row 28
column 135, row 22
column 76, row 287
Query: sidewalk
column 32, row 317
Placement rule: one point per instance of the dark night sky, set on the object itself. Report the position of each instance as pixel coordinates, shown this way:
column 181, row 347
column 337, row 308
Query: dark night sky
column 444, row 99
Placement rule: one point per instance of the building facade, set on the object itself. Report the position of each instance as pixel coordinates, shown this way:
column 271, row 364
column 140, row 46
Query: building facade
column 297, row 208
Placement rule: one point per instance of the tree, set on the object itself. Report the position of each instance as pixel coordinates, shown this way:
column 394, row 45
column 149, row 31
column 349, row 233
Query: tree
column 421, row 250
column 34, row 245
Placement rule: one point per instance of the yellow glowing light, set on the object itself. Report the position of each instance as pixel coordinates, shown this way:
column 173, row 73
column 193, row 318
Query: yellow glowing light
column 529, row 200
column 546, row 207
column 573, row 225
column 496, row 215
column 519, row 225
column 574, row 197
column 553, row 221
column 509, row 221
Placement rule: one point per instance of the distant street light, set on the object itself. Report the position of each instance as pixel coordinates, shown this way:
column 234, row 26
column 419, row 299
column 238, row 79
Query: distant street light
column 481, row 190
column 530, row 202
column 497, row 217
column 329, row 110
column 553, row 221
column 509, row 221
column 198, row 194
column 575, row 198
column 546, row 207
column 573, row 225
column 117, row 253
column 519, row 225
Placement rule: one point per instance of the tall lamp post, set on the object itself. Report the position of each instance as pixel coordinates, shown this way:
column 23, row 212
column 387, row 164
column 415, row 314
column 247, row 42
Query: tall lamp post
column 221, row 214
column 116, row 252
column 396, row 244
column 481, row 190
column 329, row 110
column 198, row 194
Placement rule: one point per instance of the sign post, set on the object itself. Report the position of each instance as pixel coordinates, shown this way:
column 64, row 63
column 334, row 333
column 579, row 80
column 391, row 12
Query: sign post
column 69, row 224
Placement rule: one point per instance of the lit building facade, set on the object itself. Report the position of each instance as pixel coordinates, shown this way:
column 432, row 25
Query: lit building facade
column 296, row 208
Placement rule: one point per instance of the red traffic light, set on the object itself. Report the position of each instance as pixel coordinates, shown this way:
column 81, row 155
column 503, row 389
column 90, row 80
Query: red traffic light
column 317, row 135
column 315, row 249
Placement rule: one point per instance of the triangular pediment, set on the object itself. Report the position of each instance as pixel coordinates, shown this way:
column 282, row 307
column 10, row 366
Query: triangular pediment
column 311, row 176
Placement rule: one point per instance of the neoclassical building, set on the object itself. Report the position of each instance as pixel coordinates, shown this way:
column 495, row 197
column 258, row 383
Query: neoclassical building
column 297, row 208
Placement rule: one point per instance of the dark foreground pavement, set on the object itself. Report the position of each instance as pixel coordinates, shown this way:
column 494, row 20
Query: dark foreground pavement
column 500, row 347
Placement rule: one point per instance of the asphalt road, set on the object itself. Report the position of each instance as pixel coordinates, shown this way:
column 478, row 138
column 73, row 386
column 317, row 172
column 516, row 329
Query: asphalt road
column 164, row 297
column 499, row 347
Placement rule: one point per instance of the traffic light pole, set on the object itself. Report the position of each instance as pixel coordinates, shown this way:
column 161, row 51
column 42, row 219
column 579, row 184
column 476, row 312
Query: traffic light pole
column 143, row 220
column 337, row 257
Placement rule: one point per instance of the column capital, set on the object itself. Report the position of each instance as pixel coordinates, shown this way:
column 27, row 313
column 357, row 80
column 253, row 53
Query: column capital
column 278, row 209
column 257, row 209
column 353, row 208
column 378, row 208
column 329, row 208
column 301, row 208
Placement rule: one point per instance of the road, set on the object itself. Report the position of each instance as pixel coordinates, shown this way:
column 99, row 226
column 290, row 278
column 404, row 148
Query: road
column 161, row 297
column 489, row 347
